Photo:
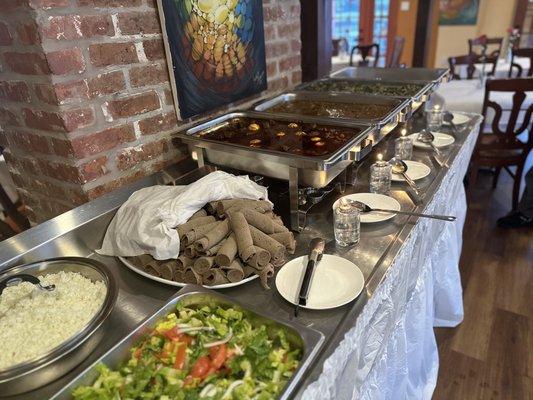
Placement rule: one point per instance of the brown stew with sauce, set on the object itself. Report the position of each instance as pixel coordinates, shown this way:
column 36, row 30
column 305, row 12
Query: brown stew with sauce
column 307, row 139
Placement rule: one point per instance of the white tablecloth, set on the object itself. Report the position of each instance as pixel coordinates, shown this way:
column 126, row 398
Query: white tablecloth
column 502, row 68
column 391, row 352
column 467, row 96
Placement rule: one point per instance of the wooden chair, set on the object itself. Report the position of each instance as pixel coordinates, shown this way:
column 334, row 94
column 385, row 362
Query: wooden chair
column 527, row 52
column 502, row 149
column 396, row 53
column 365, row 52
column 485, row 41
column 469, row 60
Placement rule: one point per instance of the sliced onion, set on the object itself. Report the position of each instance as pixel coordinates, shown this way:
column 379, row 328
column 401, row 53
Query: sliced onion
column 222, row 341
column 196, row 329
column 206, row 390
column 231, row 388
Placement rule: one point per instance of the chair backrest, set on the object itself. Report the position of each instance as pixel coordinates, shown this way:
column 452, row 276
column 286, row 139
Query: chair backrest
column 495, row 42
column 365, row 52
column 519, row 89
column 526, row 53
column 397, row 50
column 469, row 60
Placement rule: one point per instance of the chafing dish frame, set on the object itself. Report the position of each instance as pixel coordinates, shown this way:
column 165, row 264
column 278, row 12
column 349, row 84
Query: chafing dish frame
column 57, row 362
column 398, row 113
column 309, row 339
column 411, row 75
column 416, row 100
column 296, row 169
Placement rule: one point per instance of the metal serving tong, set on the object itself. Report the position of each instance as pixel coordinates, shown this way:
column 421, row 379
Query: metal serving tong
column 316, row 249
column 15, row 280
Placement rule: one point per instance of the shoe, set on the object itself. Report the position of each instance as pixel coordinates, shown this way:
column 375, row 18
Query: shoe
column 515, row 220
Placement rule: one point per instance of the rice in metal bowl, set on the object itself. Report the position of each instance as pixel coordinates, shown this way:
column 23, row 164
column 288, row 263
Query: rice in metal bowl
column 34, row 321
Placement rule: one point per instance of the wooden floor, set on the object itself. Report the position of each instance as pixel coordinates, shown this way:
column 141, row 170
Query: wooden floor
column 490, row 355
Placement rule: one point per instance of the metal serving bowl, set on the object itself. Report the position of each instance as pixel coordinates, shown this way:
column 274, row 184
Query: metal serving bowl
column 43, row 369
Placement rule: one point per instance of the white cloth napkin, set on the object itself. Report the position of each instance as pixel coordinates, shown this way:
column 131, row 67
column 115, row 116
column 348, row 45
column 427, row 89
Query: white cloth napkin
column 144, row 223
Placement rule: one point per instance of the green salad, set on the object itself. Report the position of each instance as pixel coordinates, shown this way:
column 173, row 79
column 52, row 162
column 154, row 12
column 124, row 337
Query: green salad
column 200, row 353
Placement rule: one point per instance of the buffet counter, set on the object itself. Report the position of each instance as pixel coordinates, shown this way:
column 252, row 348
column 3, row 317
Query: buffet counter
column 381, row 345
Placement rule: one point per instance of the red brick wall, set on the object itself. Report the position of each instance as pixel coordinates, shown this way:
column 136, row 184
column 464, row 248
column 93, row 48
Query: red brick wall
column 85, row 102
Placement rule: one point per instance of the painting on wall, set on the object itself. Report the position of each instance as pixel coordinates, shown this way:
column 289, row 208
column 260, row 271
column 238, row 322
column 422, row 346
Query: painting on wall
column 458, row 12
column 216, row 49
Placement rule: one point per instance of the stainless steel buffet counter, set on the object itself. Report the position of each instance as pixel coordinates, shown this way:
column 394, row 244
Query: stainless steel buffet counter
column 80, row 231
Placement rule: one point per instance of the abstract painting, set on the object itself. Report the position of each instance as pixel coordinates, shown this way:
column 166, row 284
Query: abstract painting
column 217, row 50
column 458, row 12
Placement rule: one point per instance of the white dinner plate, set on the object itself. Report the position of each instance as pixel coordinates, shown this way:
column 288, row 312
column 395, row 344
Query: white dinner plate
column 373, row 200
column 459, row 119
column 335, row 282
column 182, row 284
column 415, row 170
column 441, row 140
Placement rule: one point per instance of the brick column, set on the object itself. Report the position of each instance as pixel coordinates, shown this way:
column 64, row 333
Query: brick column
column 85, row 96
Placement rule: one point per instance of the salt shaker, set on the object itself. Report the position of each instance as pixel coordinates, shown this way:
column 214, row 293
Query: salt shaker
column 346, row 223
column 380, row 176
column 403, row 147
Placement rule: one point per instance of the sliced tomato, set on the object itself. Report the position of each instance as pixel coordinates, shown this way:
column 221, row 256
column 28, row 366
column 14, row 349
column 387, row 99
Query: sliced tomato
column 172, row 333
column 218, row 355
column 179, row 362
column 200, row 369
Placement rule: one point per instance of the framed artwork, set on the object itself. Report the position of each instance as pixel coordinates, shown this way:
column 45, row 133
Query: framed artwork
column 215, row 50
column 458, row 12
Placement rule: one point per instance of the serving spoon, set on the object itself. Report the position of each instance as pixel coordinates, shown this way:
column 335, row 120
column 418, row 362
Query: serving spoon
column 365, row 208
column 448, row 117
column 427, row 137
column 400, row 167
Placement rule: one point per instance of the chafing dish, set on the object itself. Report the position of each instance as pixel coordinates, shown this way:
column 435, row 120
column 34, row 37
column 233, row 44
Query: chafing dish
column 416, row 99
column 304, row 170
column 309, row 340
column 57, row 362
column 435, row 75
column 399, row 107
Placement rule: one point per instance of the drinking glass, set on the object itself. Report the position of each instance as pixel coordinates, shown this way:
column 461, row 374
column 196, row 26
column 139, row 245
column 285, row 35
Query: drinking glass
column 346, row 223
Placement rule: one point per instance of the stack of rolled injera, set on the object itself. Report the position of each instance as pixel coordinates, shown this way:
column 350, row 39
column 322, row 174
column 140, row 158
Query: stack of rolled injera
column 226, row 242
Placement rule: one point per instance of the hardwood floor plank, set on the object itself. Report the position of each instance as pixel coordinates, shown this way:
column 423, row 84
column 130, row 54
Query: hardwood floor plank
column 460, row 377
column 506, row 365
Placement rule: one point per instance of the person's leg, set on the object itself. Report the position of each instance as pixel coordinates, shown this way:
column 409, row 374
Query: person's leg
column 523, row 216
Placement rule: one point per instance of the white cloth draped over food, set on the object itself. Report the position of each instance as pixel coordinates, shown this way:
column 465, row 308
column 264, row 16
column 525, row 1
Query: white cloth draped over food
column 145, row 223
column 391, row 351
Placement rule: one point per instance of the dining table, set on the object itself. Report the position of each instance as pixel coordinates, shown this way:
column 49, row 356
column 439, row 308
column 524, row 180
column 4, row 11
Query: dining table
column 503, row 66
column 382, row 344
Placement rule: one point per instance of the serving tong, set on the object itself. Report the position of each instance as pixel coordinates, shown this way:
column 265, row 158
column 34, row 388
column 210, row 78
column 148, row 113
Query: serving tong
column 316, row 250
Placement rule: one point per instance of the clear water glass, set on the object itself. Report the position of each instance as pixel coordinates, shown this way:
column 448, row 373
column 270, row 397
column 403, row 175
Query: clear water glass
column 434, row 119
column 346, row 223
column 380, row 177
column 403, row 148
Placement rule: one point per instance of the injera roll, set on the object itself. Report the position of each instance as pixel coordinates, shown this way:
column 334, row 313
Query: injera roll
column 183, row 262
column 214, row 276
column 202, row 264
column 249, row 271
column 226, row 253
column 235, row 272
column 200, row 213
column 243, row 237
column 213, row 250
column 141, row 261
column 194, row 223
column 153, row 268
column 196, row 233
column 260, row 259
column 213, row 237
column 265, row 274
column 168, row 269
column 190, row 251
column 240, row 204
column 286, row 239
column 192, row 277
column 263, row 222
column 211, row 207
column 275, row 248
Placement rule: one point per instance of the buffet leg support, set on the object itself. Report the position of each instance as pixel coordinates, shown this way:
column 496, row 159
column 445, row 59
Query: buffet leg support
column 293, row 199
column 200, row 156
